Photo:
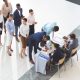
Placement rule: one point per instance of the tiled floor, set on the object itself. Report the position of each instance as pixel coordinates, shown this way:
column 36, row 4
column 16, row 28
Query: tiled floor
column 67, row 16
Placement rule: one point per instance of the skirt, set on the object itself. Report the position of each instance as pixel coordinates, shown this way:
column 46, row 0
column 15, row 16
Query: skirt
column 23, row 41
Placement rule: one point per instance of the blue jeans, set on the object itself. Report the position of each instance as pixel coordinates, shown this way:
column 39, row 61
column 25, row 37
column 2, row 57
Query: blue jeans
column 16, row 31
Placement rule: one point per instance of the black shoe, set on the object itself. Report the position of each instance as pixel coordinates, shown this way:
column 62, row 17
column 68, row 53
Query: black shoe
column 11, row 50
column 31, row 61
column 25, row 54
column 17, row 39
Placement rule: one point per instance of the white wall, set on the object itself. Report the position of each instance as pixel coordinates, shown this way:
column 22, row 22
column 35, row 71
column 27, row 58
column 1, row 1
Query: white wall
column 66, row 14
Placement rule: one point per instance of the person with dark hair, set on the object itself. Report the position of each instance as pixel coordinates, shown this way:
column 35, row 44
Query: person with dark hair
column 50, row 27
column 10, row 33
column 17, row 19
column 71, row 44
column 6, row 10
column 24, row 33
column 31, row 21
column 72, row 36
column 34, row 40
column 58, row 54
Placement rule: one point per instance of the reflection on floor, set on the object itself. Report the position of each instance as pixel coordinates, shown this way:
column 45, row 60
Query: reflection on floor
column 12, row 68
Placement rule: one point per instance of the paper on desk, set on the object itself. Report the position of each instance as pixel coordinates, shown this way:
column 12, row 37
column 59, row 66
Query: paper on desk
column 58, row 40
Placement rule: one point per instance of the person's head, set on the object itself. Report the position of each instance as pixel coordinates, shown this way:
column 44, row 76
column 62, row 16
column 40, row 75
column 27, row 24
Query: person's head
column 5, row 1
column 72, row 36
column 24, row 21
column 65, row 38
column 31, row 11
column 42, row 43
column 10, row 17
column 56, row 45
column 56, row 28
column 18, row 6
column 46, row 38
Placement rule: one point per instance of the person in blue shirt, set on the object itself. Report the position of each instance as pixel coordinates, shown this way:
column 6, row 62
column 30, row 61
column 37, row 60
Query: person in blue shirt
column 50, row 27
column 9, row 32
column 34, row 40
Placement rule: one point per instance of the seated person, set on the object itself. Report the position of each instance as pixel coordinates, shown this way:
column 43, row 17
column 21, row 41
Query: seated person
column 41, row 58
column 70, row 45
column 47, row 46
column 57, row 55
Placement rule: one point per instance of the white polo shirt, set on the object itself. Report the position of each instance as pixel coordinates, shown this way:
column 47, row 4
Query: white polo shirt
column 24, row 30
column 31, row 19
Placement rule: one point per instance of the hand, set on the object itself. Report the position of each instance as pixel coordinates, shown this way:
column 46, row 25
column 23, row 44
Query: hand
column 5, row 30
column 35, row 22
column 45, row 50
column 26, row 35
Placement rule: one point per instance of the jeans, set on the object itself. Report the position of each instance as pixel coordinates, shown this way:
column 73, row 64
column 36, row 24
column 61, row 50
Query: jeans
column 16, row 31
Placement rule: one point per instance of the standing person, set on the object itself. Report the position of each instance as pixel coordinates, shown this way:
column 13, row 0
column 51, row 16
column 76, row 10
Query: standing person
column 6, row 10
column 17, row 19
column 24, row 33
column 50, row 27
column 1, row 26
column 34, row 40
column 10, row 32
column 31, row 21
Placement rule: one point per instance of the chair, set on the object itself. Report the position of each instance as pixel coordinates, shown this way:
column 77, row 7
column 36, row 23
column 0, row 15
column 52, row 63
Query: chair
column 73, row 53
column 61, row 62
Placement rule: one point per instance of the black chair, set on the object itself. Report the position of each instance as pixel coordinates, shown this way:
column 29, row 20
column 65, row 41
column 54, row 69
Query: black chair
column 60, row 62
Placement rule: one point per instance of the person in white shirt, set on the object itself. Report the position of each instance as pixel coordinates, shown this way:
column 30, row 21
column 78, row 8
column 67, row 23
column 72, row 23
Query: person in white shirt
column 24, row 33
column 6, row 10
column 31, row 21
column 1, row 26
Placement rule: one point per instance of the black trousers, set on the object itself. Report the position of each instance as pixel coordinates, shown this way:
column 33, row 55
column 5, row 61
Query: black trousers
column 5, row 19
column 1, row 26
column 32, row 44
column 31, row 29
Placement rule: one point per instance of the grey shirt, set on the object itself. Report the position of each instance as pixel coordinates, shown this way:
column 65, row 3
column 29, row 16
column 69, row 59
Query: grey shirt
column 73, row 45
